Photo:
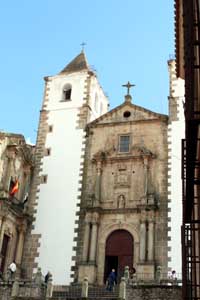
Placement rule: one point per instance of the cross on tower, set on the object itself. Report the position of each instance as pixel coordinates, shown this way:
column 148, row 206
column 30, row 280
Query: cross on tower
column 83, row 44
column 128, row 86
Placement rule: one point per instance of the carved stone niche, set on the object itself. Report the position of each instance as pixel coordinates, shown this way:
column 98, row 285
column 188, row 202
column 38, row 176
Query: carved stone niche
column 121, row 201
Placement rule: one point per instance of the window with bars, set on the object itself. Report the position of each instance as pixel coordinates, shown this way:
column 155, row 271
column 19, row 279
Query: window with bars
column 124, row 143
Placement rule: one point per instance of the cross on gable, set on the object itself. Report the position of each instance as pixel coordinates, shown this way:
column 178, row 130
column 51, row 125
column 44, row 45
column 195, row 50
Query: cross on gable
column 83, row 44
column 128, row 85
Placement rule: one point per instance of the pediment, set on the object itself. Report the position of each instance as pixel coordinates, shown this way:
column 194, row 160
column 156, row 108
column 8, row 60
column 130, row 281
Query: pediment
column 127, row 112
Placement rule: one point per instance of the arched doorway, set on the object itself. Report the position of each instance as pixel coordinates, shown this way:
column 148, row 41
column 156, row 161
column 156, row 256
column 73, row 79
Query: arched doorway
column 118, row 252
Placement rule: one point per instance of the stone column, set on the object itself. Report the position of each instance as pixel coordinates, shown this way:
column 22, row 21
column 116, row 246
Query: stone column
column 11, row 157
column 86, row 237
column 145, row 177
column 143, row 241
column 1, row 237
column 98, row 182
column 84, row 288
column 93, row 242
column 2, row 221
column 151, row 241
column 122, row 289
column 15, row 289
column 18, row 258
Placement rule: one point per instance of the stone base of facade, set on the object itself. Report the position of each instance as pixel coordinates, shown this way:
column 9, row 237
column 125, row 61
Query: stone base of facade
column 22, row 291
column 89, row 271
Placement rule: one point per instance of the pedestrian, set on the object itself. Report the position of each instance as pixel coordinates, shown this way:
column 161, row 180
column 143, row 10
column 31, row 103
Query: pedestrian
column 112, row 279
column 46, row 278
column 1, row 276
column 12, row 269
column 173, row 275
column 132, row 272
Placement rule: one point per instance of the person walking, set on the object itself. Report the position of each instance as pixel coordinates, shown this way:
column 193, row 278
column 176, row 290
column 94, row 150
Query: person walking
column 112, row 279
column 12, row 269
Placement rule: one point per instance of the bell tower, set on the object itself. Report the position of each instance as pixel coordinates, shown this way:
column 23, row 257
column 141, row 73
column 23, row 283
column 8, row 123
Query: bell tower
column 72, row 98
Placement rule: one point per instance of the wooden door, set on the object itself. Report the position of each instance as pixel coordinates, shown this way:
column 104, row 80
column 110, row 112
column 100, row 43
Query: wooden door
column 119, row 252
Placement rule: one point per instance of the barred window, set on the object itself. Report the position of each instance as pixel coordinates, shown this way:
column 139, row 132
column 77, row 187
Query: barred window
column 124, row 143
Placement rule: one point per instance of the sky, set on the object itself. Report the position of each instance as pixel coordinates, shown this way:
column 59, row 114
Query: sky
column 127, row 40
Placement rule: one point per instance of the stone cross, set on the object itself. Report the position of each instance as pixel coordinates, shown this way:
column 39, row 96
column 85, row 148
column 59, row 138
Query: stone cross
column 128, row 86
column 83, row 45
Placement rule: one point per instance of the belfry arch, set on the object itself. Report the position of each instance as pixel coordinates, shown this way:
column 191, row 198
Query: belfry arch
column 118, row 252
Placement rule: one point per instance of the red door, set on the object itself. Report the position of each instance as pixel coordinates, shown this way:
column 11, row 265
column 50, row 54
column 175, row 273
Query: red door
column 119, row 252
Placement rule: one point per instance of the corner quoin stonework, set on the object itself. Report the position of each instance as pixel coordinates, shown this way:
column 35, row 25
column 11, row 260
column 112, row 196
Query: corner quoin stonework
column 32, row 243
column 83, row 117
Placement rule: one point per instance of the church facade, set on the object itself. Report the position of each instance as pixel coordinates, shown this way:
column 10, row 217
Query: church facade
column 101, row 196
column 123, row 209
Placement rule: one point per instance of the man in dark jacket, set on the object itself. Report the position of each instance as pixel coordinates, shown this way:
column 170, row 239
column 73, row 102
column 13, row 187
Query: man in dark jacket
column 112, row 279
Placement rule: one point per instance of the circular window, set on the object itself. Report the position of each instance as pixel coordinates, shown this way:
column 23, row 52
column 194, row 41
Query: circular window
column 127, row 114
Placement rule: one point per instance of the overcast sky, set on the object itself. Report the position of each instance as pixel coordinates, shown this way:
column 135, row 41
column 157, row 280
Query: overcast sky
column 126, row 40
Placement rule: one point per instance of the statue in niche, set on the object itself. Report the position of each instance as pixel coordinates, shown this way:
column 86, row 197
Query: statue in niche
column 121, row 201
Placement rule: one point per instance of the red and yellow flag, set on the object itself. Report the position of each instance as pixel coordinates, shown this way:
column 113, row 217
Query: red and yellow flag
column 15, row 188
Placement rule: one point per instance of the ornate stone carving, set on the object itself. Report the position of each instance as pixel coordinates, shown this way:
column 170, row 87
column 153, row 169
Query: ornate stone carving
column 88, row 218
column 95, row 218
column 122, row 178
column 122, row 167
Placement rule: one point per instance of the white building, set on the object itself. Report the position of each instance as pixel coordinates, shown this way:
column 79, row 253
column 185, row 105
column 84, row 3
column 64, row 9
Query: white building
column 176, row 132
column 72, row 98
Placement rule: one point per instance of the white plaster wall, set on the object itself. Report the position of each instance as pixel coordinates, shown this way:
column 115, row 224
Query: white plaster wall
column 176, row 133
column 57, row 199
column 102, row 100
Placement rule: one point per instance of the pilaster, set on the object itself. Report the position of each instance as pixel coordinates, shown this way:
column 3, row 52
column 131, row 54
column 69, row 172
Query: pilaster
column 86, row 238
column 150, row 241
column 93, row 243
column 142, row 241
column 22, row 231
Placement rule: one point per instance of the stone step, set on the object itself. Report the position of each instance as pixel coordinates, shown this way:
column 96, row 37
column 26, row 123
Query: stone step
column 97, row 293
column 90, row 298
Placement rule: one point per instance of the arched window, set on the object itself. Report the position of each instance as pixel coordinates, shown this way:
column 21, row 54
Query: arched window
column 67, row 90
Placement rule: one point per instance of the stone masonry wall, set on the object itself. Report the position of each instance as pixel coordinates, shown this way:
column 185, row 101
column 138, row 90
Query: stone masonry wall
column 154, row 293
column 144, row 292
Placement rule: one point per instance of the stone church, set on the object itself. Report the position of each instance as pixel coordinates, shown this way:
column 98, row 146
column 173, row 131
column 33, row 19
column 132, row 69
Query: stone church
column 98, row 195
column 123, row 212
column 104, row 173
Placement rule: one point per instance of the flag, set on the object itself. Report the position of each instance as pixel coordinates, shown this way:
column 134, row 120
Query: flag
column 15, row 188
